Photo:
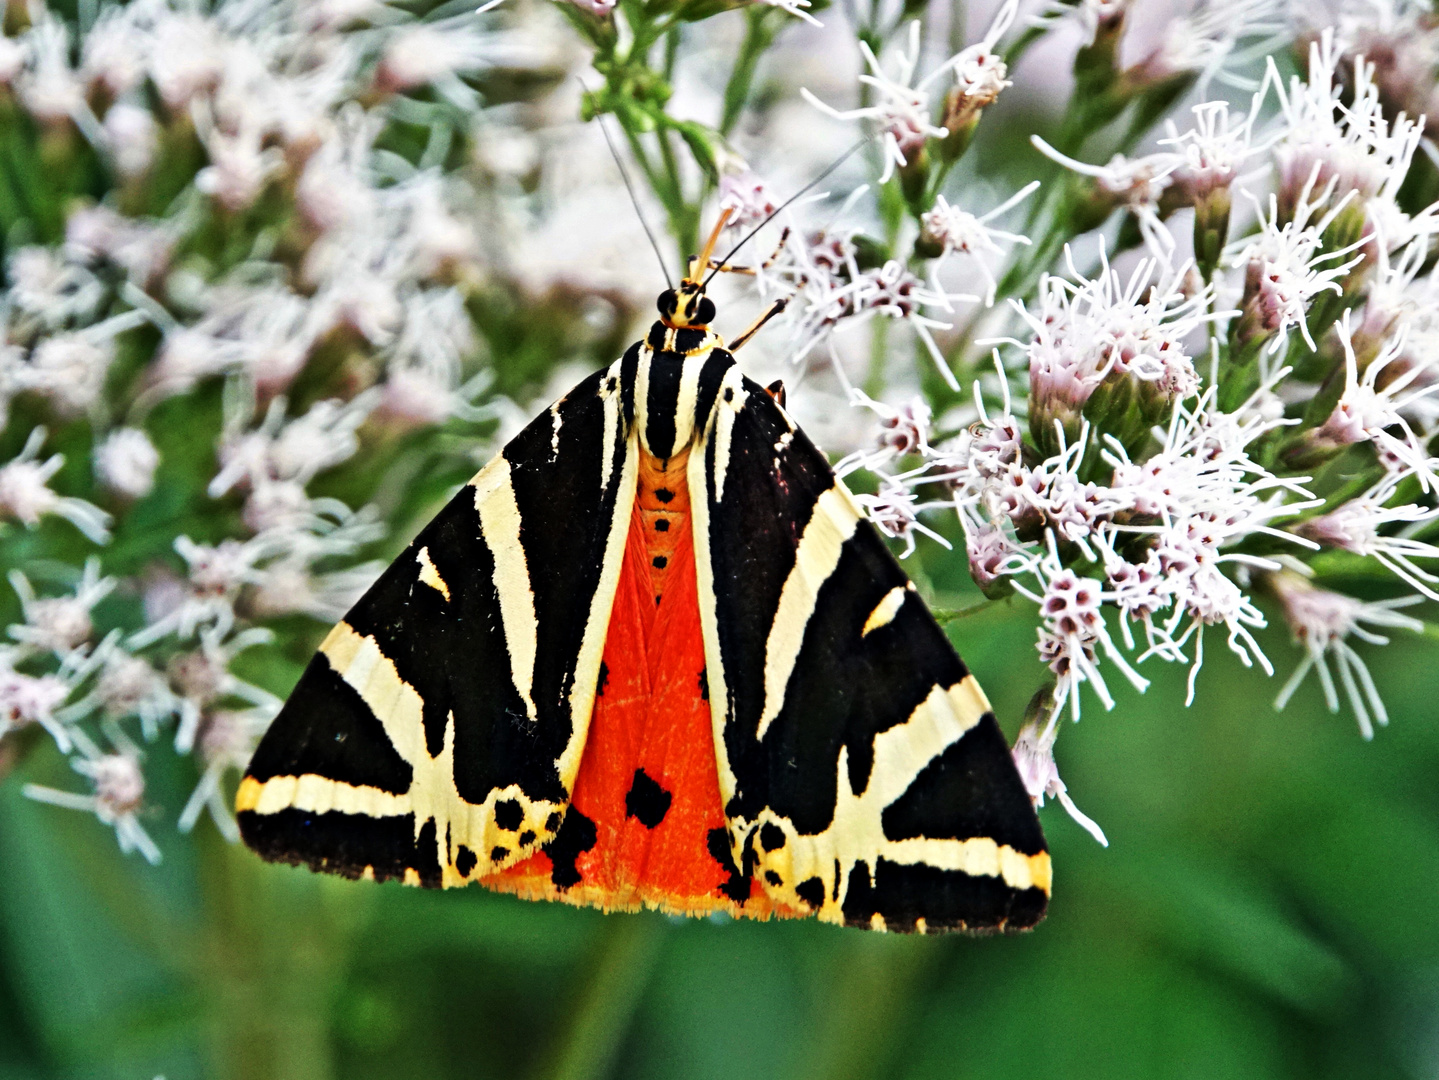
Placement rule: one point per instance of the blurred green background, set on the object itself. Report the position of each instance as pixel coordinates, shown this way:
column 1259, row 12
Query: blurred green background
column 1267, row 908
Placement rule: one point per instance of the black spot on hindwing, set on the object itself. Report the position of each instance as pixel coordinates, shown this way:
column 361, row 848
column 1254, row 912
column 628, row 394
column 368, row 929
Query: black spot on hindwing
column 509, row 814
column 465, row 860
column 811, row 891
column 737, row 887
column 576, row 836
column 646, row 800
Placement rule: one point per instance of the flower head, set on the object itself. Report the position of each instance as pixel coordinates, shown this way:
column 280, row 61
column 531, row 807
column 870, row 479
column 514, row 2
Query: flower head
column 1212, row 152
column 902, row 111
column 25, row 495
column 117, row 793
column 1322, row 620
column 979, row 73
column 1034, row 758
column 1372, row 403
column 1338, row 147
column 747, row 198
column 895, row 510
column 33, row 699
column 1124, row 338
column 1137, row 185
column 958, row 232
column 1287, row 265
column 60, row 624
column 828, row 292
column 227, row 739
column 126, row 462
column 1362, row 525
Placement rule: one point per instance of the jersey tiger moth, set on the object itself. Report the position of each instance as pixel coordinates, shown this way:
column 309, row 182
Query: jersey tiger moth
column 653, row 655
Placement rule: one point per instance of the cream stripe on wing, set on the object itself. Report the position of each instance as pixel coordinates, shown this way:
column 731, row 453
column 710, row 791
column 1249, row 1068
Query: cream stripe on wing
column 725, row 413
column 610, row 394
column 885, row 611
column 831, row 523
column 556, row 422
column 705, row 587
column 500, row 522
column 597, row 622
column 642, row 393
column 979, row 856
column 685, row 400
column 358, row 660
column 318, row 795
column 429, row 575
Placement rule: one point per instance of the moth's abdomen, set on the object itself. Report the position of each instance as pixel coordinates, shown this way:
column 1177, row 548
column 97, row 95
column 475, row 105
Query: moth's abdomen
column 662, row 499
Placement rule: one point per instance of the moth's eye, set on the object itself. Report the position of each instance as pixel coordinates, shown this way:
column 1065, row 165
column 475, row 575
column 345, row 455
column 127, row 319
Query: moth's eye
column 706, row 311
column 667, row 303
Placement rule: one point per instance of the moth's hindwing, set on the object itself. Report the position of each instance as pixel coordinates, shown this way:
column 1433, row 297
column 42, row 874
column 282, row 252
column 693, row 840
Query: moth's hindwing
column 863, row 773
column 436, row 735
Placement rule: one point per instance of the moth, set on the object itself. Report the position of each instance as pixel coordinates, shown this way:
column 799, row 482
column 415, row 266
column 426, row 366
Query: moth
column 654, row 655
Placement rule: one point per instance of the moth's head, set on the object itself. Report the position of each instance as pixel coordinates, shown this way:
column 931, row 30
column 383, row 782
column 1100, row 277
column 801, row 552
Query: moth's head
column 688, row 305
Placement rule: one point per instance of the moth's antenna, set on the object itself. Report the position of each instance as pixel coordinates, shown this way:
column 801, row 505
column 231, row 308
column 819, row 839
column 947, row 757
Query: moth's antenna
column 625, row 176
column 782, row 206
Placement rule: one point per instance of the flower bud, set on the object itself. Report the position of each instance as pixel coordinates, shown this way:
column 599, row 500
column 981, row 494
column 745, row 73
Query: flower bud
column 1211, row 223
column 126, row 463
column 914, row 175
column 989, row 552
column 1060, row 385
column 979, row 76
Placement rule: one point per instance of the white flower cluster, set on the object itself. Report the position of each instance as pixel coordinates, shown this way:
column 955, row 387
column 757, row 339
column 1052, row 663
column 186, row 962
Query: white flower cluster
column 1156, row 535
column 827, row 290
column 904, row 109
column 301, row 243
column 1147, row 486
column 273, row 89
column 177, row 667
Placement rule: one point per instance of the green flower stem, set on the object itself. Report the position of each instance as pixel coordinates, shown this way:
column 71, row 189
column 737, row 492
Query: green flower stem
column 873, row 993
column 944, row 616
column 620, row 970
column 273, row 962
column 760, row 31
column 874, row 379
column 672, row 49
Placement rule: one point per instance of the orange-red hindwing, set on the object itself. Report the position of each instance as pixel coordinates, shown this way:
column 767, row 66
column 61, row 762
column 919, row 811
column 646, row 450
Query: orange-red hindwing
column 648, row 777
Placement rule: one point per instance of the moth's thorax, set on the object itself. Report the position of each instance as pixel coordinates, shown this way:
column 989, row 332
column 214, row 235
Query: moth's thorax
column 667, row 387
column 684, row 340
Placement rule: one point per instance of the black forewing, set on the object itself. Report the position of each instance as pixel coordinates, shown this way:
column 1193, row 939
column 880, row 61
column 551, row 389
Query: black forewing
column 452, row 650
column 848, row 686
